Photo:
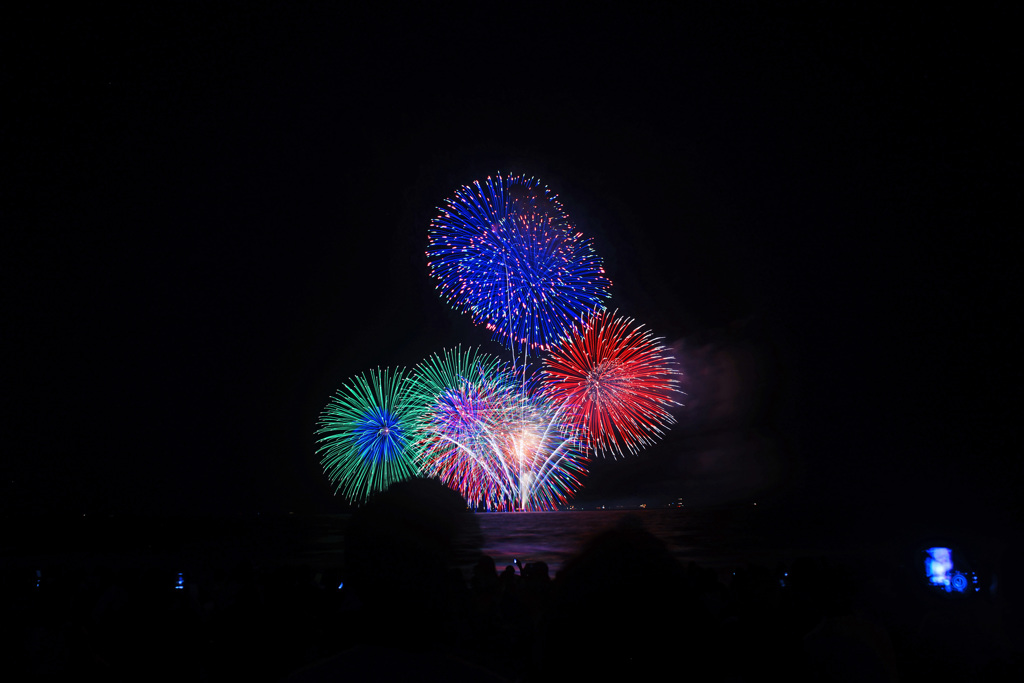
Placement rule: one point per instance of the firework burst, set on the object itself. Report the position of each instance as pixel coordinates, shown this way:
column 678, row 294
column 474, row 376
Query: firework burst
column 504, row 252
column 366, row 433
column 615, row 381
column 483, row 436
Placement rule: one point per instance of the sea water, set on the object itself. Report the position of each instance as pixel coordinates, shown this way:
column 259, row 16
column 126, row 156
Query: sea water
column 715, row 538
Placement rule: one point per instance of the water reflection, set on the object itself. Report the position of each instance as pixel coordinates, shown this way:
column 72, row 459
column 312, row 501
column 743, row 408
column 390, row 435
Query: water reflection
column 554, row 537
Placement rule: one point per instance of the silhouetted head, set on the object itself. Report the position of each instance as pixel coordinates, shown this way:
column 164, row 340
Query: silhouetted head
column 624, row 579
column 398, row 546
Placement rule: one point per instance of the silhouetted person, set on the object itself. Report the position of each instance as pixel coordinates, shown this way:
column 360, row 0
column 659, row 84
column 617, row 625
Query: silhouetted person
column 397, row 550
column 484, row 585
column 620, row 611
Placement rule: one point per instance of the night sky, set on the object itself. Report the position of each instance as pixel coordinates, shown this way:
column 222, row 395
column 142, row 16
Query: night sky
column 217, row 216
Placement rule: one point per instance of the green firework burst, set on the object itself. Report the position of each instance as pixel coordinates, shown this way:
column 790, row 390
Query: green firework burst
column 450, row 368
column 366, row 434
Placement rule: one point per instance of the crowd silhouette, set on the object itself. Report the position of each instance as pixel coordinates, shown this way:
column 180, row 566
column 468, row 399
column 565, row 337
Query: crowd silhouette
column 623, row 608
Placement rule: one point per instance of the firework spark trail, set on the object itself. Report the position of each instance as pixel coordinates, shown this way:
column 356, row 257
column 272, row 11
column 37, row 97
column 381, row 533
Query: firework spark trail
column 366, row 433
column 461, row 393
column 553, row 476
column 480, row 435
column 616, row 381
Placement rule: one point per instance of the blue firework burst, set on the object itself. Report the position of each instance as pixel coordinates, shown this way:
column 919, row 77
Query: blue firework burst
column 504, row 252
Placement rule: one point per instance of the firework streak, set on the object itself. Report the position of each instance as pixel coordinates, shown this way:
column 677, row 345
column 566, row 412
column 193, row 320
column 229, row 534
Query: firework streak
column 485, row 436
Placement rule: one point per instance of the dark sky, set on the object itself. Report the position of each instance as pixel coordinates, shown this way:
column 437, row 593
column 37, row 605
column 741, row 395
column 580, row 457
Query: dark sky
column 217, row 216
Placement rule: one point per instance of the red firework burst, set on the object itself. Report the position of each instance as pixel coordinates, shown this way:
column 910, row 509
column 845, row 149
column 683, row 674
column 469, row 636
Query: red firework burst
column 615, row 381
